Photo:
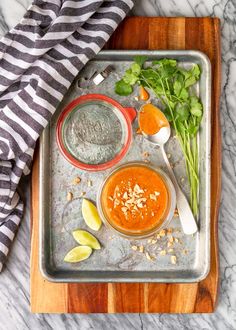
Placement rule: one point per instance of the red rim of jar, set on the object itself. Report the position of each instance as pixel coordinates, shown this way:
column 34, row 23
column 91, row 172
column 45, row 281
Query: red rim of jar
column 129, row 114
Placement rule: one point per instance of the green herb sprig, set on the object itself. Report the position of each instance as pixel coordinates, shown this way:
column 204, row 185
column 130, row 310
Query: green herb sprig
column 172, row 85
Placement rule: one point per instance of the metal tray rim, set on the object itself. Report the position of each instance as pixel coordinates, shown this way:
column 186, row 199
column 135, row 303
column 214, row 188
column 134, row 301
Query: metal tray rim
column 42, row 264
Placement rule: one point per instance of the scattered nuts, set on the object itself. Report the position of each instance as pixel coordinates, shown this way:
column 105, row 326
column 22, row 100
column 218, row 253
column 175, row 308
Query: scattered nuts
column 169, row 231
column 169, row 244
column 163, row 252
column 83, row 193
column 124, row 209
column 176, row 214
column 137, row 189
column 69, row 196
column 162, row 233
column 153, row 197
column 76, row 180
column 146, row 154
column 171, row 239
column 125, row 196
column 90, row 183
column 148, row 256
column 134, row 247
column 141, row 248
column 173, row 260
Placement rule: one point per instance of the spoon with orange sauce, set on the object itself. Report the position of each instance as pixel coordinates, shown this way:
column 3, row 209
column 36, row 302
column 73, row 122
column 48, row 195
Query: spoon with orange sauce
column 156, row 129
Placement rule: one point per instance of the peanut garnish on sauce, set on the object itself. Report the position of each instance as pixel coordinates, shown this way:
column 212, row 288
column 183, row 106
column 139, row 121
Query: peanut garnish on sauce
column 133, row 200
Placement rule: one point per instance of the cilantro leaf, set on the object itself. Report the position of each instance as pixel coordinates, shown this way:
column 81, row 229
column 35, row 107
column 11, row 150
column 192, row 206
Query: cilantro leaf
column 130, row 78
column 177, row 87
column 122, row 88
column 183, row 112
column 196, row 106
column 140, row 60
column 184, row 94
column 166, row 62
column 180, row 127
column 196, row 71
column 136, row 69
column 189, row 82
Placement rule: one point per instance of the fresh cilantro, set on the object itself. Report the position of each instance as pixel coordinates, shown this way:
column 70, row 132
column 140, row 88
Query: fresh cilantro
column 182, row 112
column 122, row 88
column 177, row 87
column 196, row 107
column 190, row 81
column 140, row 60
column 165, row 62
column 172, row 85
column 196, row 71
column 130, row 77
column 136, row 69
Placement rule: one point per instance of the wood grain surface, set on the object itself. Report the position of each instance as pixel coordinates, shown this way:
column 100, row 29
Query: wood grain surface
column 144, row 33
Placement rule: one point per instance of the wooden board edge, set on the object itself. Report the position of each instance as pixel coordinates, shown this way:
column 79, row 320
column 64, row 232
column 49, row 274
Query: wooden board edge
column 217, row 198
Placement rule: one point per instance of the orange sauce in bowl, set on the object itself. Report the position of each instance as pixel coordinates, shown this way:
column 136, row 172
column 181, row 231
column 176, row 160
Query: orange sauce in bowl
column 151, row 119
column 135, row 199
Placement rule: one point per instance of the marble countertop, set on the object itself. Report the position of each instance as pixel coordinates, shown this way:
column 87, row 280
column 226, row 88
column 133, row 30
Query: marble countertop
column 14, row 281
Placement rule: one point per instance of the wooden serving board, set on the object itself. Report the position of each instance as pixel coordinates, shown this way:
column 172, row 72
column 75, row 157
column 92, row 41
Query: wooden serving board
column 144, row 33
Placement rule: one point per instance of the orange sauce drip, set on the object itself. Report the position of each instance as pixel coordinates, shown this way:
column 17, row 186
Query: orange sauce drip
column 143, row 94
column 151, row 119
column 153, row 210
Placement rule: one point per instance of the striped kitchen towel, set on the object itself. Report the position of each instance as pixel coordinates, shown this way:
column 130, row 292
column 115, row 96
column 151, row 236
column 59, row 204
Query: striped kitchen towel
column 39, row 59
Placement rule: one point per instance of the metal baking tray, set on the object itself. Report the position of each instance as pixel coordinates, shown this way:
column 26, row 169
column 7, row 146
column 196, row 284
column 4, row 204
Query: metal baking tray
column 116, row 261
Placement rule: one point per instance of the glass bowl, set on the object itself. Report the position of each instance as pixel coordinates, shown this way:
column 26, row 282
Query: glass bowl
column 136, row 200
column 94, row 132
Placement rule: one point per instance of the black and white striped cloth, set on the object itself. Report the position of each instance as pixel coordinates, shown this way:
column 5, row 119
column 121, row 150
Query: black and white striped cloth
column 39, row 59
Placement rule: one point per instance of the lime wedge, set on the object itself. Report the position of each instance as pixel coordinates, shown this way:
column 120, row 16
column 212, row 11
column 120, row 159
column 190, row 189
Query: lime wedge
column 78, row 254
column 90, row 215
column 85, row 238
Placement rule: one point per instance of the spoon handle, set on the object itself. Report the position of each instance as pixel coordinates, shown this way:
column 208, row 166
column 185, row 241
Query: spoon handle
column 186, row 217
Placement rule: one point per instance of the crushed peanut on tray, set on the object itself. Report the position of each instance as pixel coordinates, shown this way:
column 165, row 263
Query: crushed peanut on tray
column 165, row 245
column 89, row 183
column 173, row 260
column 69, row 196
column 76, row 180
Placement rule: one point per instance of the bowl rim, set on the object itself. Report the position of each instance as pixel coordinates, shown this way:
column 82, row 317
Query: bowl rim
column 171, row 210
column 69, row 108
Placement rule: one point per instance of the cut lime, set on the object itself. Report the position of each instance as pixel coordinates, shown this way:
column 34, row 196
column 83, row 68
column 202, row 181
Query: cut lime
column 85, row 238
column 78, row 254
column 90, row 215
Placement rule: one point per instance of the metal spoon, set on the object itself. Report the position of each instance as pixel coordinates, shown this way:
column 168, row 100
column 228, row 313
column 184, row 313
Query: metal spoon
column 185, row 213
